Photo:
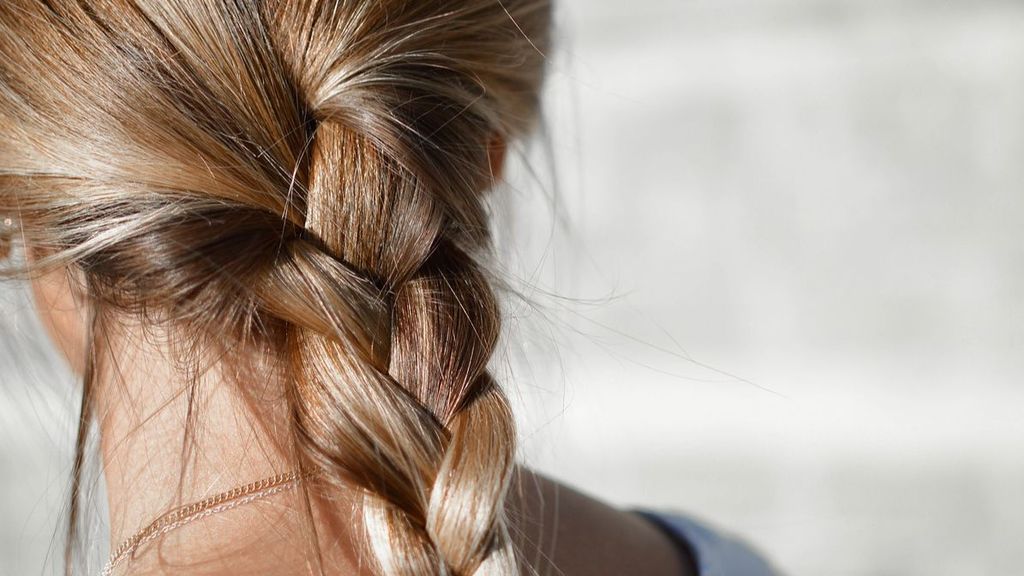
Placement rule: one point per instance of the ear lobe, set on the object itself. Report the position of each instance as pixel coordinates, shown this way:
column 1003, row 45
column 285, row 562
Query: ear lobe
column 62, row 313
column 6, row 237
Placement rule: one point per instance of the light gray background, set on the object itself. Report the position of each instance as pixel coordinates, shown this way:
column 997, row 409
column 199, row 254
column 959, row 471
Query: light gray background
column 787, row 237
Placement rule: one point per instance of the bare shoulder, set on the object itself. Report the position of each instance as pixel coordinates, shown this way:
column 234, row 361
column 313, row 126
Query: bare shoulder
column 562, row 531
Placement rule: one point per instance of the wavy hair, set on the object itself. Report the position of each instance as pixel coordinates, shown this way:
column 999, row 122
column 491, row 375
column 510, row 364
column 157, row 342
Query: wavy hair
column 307, row 177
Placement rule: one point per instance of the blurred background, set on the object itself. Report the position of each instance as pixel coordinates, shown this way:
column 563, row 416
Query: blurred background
column 777, row 282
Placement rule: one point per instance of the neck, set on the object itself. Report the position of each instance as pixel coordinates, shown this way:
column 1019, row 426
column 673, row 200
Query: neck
column 156, row 459
column 169, row 441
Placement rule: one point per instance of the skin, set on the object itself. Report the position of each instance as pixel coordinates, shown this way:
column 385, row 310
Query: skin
column 62, row 314
column 142, row 411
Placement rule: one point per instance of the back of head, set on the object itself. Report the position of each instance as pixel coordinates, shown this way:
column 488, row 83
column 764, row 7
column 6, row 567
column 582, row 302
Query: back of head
column 304, row 178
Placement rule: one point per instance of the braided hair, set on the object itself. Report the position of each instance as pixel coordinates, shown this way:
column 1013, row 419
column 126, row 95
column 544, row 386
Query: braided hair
column 308, row 175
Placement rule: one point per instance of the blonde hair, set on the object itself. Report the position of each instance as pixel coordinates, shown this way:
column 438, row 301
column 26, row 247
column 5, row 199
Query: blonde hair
column 305, row 176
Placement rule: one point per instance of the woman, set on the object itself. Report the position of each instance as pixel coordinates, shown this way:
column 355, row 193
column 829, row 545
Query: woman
column 257, row 230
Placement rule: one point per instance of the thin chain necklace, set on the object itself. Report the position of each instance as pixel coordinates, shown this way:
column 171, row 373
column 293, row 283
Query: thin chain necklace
column 198, row 510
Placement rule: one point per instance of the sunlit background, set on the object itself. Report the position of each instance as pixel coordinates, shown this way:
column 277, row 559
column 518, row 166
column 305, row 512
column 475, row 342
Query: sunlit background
column 778, row 284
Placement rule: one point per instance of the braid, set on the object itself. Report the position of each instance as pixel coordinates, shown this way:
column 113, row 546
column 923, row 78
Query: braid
column 391, row 389
column 397, row 159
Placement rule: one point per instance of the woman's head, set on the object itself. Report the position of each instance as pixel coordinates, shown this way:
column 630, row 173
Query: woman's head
column 302, row 180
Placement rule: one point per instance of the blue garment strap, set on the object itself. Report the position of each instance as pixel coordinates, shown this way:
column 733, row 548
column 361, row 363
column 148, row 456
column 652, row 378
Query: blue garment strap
column 715, row 554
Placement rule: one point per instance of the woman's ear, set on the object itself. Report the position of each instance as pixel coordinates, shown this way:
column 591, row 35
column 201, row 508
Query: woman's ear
column 63, row 312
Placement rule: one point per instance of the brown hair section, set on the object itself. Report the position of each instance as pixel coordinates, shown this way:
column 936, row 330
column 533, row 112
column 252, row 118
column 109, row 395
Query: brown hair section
column 304, row 178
